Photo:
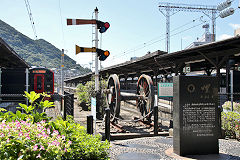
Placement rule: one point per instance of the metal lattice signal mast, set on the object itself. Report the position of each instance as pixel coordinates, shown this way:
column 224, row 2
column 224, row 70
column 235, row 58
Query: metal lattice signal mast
column 169, row 9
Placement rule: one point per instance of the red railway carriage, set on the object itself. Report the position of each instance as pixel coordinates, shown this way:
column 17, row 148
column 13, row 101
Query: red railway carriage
column 41, row 80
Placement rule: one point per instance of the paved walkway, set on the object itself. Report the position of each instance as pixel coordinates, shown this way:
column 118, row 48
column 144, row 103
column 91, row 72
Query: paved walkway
column 155, row 148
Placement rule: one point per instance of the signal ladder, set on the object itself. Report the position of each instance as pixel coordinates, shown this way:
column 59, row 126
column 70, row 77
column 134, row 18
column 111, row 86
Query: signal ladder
column 93, row 54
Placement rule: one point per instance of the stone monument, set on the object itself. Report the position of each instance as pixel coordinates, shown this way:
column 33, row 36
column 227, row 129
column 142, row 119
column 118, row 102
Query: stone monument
column 195, row 115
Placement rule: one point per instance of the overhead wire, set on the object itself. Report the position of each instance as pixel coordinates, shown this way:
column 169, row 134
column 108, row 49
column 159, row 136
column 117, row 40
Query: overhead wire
column 60, row 12
column 155, row 40
column 159, row 39
column 31, row 18
column 182, row 31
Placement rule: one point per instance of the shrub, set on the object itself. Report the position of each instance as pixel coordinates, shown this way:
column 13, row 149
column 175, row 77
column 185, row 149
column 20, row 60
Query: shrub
column 237, row 130
column 29, row 135
column 84, row 146
column 31, row 111
column 26, row 140
column 228, row 106
column 82, row 93
column 85, row 92
column 229, row 122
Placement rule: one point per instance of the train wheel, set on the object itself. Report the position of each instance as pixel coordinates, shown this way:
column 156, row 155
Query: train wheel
column 113, row 96
column 145, row 90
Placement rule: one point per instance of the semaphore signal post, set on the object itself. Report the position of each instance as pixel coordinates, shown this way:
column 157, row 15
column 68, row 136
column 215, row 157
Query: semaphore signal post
column 101, row 54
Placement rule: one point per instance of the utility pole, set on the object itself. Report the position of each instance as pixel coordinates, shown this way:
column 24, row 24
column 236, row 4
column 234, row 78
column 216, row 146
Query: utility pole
column 167, row 15
column 96, row 70
column 96, row 55
column 62, row 76
column 169, row 9
column 231, row 89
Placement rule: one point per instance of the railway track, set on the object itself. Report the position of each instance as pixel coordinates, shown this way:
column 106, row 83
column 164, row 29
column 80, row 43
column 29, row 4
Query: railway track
column 130, row 121
column 131, row 112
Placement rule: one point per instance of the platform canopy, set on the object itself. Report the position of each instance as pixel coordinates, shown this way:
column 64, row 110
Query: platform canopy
column 208, row 57
column 9, row 58
column 81, row 79
column 205, row 57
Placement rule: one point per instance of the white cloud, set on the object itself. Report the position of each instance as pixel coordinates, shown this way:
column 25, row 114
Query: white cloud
column 234, row 26
column 224, row 36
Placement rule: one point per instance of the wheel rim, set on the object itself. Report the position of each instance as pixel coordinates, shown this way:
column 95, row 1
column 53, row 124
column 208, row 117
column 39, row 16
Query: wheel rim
column 113, row 97
column 145, row 90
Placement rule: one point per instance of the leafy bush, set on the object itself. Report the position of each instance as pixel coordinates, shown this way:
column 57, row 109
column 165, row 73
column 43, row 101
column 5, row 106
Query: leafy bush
column 230, row 120
column 82, row 93
column 31, row 111
column 85, row 92
column 237, row 130
column 84, row 146
column 228, row 106
column 26, row 140
column 28, row 136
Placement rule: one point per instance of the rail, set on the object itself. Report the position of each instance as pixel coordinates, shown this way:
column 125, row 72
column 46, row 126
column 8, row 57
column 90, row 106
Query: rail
column 65, row 103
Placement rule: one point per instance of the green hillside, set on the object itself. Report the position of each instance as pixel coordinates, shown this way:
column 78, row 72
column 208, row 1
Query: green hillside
column 36, row 52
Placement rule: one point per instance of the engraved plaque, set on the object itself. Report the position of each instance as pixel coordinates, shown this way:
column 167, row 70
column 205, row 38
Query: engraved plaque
column 195, row 116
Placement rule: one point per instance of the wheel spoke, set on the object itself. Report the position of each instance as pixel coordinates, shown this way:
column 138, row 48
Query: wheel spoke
column 145, row 90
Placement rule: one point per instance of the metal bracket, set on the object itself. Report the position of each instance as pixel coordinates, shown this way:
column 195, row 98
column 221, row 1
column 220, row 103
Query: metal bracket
column 209, row 60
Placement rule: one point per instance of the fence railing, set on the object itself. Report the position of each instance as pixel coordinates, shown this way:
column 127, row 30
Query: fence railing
column 67, row 104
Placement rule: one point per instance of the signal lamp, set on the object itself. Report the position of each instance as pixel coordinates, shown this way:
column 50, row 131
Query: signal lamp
column 106, row 53
column 102, row 54
column 102, row 26
column 106, row 25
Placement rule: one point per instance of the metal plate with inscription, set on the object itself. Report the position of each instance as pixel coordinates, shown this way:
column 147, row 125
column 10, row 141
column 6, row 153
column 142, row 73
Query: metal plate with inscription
column 165, row 89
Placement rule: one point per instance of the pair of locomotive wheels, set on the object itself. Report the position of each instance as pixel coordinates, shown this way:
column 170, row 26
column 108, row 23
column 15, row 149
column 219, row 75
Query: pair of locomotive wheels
column 144, row 91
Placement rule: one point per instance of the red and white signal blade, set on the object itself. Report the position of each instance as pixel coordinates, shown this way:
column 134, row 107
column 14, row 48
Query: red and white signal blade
column 80, row 21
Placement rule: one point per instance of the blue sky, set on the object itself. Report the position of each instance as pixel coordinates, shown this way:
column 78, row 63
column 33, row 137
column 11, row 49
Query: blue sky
column 137, row 26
